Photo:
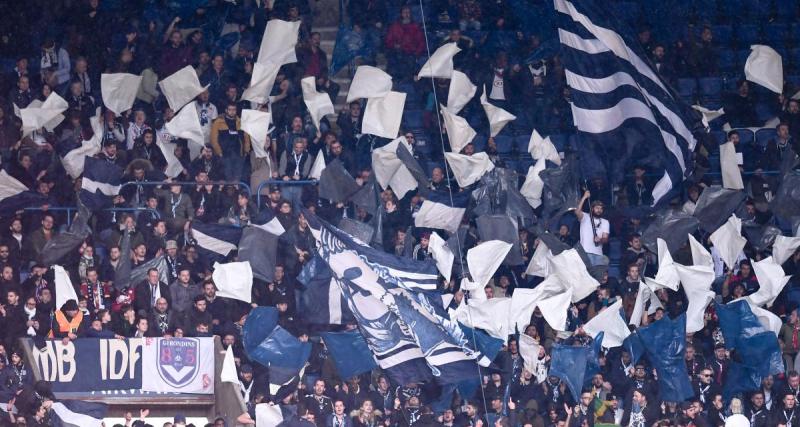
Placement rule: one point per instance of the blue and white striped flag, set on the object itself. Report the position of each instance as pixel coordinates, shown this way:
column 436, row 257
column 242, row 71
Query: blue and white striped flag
column 400, row 324
column 619, row 103
column 100, row 183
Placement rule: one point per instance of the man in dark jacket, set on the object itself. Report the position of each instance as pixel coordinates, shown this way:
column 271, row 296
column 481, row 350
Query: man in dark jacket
column 148, row 292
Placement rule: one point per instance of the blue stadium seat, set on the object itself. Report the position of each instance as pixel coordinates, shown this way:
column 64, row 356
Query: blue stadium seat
column 786, row 10
column 413, row 118
column 741, row 56
column 504, row 143
column 776, row 33
column 765, row 111
column 763, row 136
column 687, row 89
column 794, row 33
column 746, row 35
column 719, row 136
column 710, row 89
column 559, row 141
column 726, row 60
column 746, row 136
column 794, row 80
column 521, row 143
column 722, row 34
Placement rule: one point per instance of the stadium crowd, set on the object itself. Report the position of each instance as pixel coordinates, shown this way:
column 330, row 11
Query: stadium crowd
column 77, row 40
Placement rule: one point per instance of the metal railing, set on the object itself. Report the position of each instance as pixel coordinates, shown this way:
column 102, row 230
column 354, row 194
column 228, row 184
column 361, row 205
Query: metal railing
column 261, row 185
column 70, row 210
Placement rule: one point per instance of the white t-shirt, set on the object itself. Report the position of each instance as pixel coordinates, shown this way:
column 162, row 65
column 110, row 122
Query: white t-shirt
column 587, row 235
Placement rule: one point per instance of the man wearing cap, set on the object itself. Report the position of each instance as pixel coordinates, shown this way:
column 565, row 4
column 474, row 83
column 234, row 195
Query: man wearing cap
column 69, row 321
column 609, row 411
column 594, row 229
column 183, row 291
column 644, row 414
column 174, row 263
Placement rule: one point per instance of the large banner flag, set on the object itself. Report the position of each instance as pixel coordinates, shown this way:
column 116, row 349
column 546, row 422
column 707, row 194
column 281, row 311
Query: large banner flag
column 401, row 325
column 619, row 103
column 178, row 365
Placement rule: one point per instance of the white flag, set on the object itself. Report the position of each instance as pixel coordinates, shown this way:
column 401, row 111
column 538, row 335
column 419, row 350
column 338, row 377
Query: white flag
column 498, row 117
column 64, row 289
column 459, row 132
column 483, row 260
column 731, row 176
column 234, row 280
column 440, row 63
column 611, row 323
column 764, row 66
column 460, row 92
column 318, row 103
column 771, row 280
column 784, row 247
column 186, row 124
column 382, row 116
column 228, row 373
column 181, row 87
column 261, row 82
column 369, row 82
column 543, row 148
column 390, row 171
column 256, row 124
column 729, row 241
column 178, row 365
column 469, row 169
column 279, row 41
column 119, row 91
column 533, row 186
column 442, row 254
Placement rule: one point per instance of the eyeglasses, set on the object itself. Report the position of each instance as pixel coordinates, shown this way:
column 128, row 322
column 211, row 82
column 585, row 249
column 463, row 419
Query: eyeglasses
column 705, row 375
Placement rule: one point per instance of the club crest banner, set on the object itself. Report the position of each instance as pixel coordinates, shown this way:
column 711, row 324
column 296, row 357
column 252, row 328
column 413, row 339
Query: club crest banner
column 178, row 365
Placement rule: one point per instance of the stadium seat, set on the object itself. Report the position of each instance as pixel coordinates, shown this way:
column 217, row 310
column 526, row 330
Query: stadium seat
column 687, row 89
column 741, row 57
column 480, row 142
column 722, row 34
column 746, row 35
column 746, row 136
column 710, row 89
column 726, row 60
column 504, row 143
column 559, row 141
column 521, row 143
column 523, row 164
column 413, row 118
column 786, row 10
column 719, row 136
column 763, row 136
column 775, row 34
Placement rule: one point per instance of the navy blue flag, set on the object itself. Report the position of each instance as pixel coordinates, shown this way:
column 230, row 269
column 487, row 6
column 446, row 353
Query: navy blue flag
column 100, row 183
column 270, row 345
column 715, row 206
column 216, row 241
column 593, row 358
column 671, row 225
column 486, row 344
column 737, row 322
column 634, row 346
column 350, row 353
column 401, row 326
column 349, row 45
column 756, row 352
column 323, row 302
column 569, row 363
column 620, row 106
column 665, row 344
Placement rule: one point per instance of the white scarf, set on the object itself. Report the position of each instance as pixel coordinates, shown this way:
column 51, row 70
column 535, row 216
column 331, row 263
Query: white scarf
column 31, row 312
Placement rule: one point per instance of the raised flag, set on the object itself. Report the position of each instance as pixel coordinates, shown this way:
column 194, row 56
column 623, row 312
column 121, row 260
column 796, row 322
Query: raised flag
column 618, row 101
column 100, row 183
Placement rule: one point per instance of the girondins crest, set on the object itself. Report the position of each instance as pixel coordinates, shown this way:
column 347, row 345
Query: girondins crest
column 178, row 362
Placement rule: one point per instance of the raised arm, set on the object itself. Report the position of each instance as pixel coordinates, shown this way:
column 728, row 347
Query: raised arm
column 579, row 208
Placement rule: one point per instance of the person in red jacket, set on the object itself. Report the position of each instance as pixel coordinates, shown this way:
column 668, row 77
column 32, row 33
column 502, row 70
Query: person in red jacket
column 405, row 42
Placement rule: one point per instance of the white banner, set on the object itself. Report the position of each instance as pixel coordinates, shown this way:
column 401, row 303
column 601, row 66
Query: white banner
column 178, row 365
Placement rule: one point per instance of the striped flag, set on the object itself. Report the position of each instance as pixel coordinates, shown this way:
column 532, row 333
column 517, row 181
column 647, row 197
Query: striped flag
column 619, row 103
column 401, row 325
column 100, row 183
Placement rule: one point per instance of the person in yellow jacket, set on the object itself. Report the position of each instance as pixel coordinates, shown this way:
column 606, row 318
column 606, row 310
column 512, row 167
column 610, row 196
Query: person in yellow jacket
column 230, row 142
column 69, row 321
